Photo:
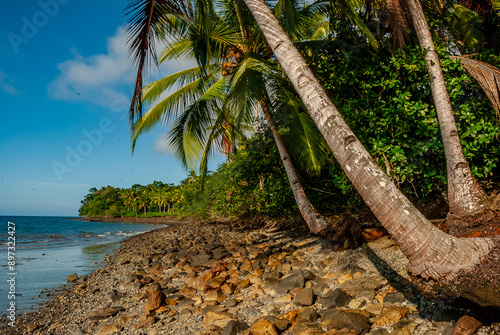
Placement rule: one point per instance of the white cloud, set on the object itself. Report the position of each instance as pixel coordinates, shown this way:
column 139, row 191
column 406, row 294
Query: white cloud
column 162, row 146
column 105, row 80
column 6, row 84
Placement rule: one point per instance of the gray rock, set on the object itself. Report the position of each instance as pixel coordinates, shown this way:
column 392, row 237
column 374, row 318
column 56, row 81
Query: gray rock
column 319, row 288
column 77, row 331
column 294, row 280
column 380, row 331
column 308, row 314
column 113, row 296
column 353, row 321
column 329, row 313
column 334, row 299
column 103, row 313
column 304, row 297
column 362, row 283
column 72, row 278
column 395, row 298
column 200, row 260
column 281, row 325
column 231, row 328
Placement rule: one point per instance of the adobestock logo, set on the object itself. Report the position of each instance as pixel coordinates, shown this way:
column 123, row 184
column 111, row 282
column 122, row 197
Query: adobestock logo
column 31, row 26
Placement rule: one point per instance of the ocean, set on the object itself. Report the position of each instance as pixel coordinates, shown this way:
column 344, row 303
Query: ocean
column 37, row 253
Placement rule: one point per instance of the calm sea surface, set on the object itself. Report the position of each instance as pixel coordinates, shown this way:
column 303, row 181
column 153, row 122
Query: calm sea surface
column 47, row 249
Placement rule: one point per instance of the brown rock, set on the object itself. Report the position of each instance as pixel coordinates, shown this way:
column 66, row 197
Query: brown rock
column 219, row 319
column 103, row 313
column 228, row 288
column 125, row 319
column 155, row 300
column 148, row 321
column 466, row 325
column 72, row 278
column 246, row 265
column 32, row 328
column 263, row 327
column 108, row 329
column 215, row 282
column 390, row 315
column 155, row 269
column 304, row 297
column 291, row 316
column 215, row 296
column 306, row 328
column 343, row 331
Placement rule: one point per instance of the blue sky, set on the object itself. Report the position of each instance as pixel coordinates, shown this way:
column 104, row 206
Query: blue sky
column 65, row 86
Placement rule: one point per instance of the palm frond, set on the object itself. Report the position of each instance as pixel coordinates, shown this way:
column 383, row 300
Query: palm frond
column 488, row 77
column 184, row 99
column 398, row 24
column 468, row 25
column 347, row 8
column 144, row 23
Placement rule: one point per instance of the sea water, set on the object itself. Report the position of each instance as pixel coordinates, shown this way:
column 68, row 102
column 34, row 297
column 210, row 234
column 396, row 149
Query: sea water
column 44, row 250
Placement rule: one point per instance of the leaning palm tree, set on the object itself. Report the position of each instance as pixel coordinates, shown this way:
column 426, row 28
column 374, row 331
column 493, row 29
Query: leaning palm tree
column 459, row 267
column 216, row 99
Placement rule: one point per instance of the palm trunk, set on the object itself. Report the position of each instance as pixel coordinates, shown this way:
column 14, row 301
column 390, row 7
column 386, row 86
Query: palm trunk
column 316, row 222
column 431, row 253
column 465, row 196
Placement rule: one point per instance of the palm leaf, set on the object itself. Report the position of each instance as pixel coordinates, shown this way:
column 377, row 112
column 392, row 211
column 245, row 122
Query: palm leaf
column 468, row 25
column 145, row 22
column 487, row 76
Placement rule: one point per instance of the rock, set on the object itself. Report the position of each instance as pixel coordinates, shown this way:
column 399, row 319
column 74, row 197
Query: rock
column 353, row 321
column 219, row 319
column 374, row 309
column 148, row 321
column 383, row 243
column 343, row 331
column 281, row 324
column 72, row 278
column 113, row 296
column 306, row 328
column 153, row 287
column 356, row 285
column 381, row 331
column 199, row 260
column 126, row 318
column 231, row 328
column 263, row 327
column 103, row 313
column 294, row 280
column 155, row 300
column 32, row 328
column 466, row 325
column 304, row 297
column 357, row 303
column 318, row 289
column 215, row 296
column 395, row 298
column 443, row 317
column 404, row 327
column 308, row 314
column 77, row 331
column 390, row 315
column 108, row 329
column 335, row 298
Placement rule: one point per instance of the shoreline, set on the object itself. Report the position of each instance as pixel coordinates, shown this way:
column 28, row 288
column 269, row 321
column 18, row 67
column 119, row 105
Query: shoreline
column 175, row 220
column 205, row 278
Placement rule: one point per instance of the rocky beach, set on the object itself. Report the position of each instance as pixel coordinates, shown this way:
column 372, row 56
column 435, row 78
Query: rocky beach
column 209, row 278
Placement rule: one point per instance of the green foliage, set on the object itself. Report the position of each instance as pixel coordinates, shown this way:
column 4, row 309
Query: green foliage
column 386, row 100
